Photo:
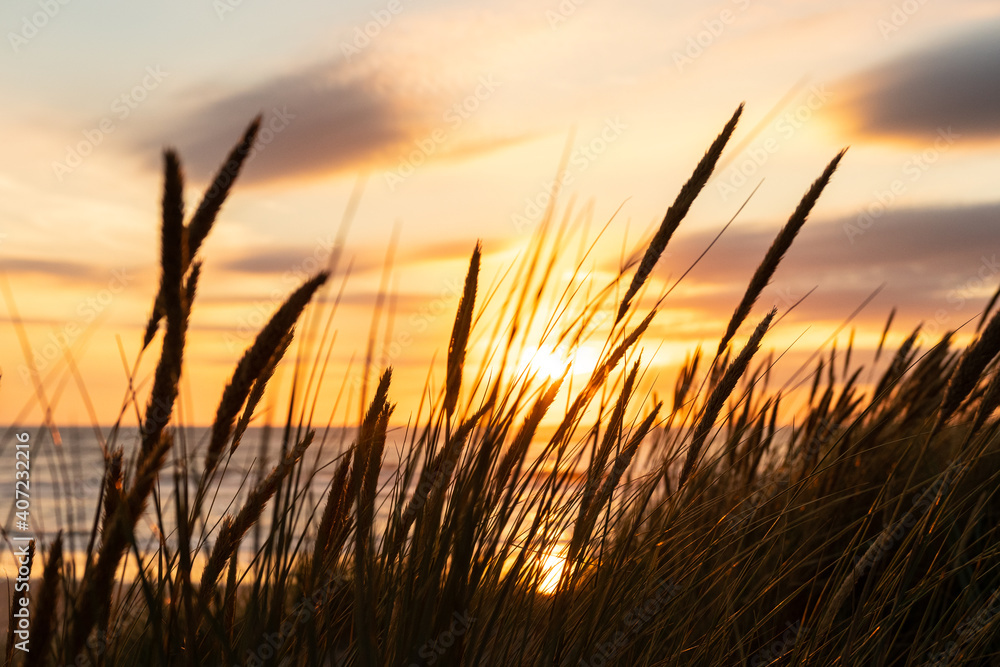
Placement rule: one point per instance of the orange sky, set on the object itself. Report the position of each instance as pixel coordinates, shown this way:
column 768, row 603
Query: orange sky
column 454, row 117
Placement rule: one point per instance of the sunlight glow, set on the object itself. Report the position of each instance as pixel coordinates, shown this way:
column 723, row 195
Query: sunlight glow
column 554, row 363
column 552, row 567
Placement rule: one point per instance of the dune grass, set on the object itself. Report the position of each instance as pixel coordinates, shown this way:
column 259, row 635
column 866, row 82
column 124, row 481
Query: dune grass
column 634, row 532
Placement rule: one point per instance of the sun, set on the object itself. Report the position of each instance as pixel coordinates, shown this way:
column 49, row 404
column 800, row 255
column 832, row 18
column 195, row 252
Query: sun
column 550, row 364
column 552, row 567
column 560, row 361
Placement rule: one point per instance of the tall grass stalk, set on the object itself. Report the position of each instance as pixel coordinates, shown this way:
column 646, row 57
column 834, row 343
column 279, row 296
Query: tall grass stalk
column 525, row 517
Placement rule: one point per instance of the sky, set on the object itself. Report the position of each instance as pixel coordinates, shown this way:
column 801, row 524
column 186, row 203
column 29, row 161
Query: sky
column 450, row 120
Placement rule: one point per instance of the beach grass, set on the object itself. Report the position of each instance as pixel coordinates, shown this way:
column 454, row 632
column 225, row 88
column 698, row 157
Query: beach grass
column 698, row 530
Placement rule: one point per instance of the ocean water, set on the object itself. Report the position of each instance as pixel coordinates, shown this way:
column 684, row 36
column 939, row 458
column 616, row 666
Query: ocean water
column 66, row 478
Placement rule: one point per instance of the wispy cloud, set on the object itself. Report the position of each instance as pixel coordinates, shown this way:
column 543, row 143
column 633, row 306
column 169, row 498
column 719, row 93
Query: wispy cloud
column 61, row 270
column 324, row 118
column 319, row 120
column 955, row 83
column 364, row 259
column 930, row 259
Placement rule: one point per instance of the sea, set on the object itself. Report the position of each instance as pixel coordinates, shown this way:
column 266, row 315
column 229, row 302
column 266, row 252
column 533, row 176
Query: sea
column 66, row 471
column 66, row 467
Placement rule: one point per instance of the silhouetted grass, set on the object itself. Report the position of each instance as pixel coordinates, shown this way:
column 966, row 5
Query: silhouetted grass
column 706, row 534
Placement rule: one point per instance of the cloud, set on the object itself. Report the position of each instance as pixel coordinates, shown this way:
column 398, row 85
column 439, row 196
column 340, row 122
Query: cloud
column 293, row 259
column 364, row 260
column 326, row 118
column 404, row 302
column 952, row 84
column 62, row 269
column 930, row 260
column 322, row 119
